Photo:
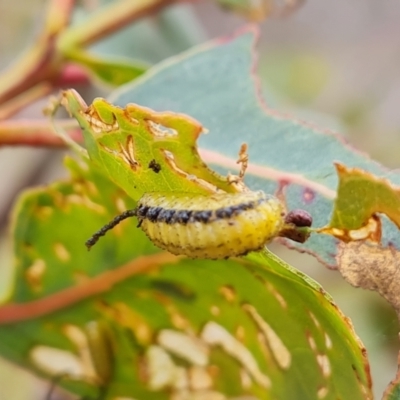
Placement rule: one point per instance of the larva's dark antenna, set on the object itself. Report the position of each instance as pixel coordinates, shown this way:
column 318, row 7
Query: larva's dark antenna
column 101, row 232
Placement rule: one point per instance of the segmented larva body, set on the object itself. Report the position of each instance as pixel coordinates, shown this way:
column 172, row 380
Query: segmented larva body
column 216, row 226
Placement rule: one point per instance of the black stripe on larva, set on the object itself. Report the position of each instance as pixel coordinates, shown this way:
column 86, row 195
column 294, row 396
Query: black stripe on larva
column 171, row 216
column 183, row 216
column 228, row 212
column 202, row 216
column 142, row 211
column 166, row 216
column 152, row 213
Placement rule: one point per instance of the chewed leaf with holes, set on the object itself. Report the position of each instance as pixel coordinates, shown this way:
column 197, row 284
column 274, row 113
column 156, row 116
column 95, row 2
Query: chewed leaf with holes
column 361, row 258
column 285, row 155
column 142, row 150
column 50, row 228
column 159, row 327
column 361, row 195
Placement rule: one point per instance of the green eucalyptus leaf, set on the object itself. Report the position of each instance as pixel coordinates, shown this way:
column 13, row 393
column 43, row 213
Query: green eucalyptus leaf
column 156, row 326
column 361, row 195
column 142, row 150
column 113, row 71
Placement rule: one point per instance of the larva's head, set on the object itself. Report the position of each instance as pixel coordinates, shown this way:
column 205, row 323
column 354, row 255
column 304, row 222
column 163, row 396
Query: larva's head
column 299, row 218
column 297, row 224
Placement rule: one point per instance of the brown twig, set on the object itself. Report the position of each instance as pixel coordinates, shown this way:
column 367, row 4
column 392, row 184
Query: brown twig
column 16, row 312
column 36, row 133
column 44, row 62
column 40, row 63
column 109, row 19
column 19, row 102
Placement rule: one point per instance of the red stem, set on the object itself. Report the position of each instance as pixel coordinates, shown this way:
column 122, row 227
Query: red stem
column 36, row 133
column 16, row 312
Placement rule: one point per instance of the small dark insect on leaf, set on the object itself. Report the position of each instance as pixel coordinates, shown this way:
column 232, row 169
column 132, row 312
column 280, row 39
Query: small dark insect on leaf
column 155, row 166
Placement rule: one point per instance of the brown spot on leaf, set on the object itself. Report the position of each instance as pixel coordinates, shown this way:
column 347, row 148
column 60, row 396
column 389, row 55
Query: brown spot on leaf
column 199, row 378
column 311, row 341
column 315, row 320
column 328, row 341
column 178, row 320
column 276, row 294
column 322, row 392
column 308, row 196
column 132, row 111
column 170, row 159
column 126, row 153
column 34, row 274
column 97, row 123
column 120, row 205
column 215, row 310
column 130, row 319
column 61, row 252
column 44, row 212
column 240, row 333
column 228, row 292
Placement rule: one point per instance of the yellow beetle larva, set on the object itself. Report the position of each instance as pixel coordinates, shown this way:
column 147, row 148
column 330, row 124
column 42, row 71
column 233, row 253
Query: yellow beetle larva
column 217, row 226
